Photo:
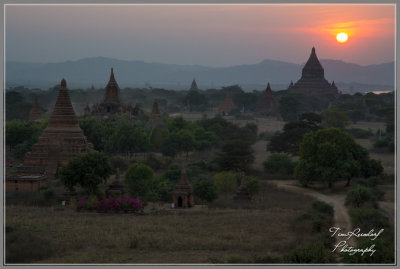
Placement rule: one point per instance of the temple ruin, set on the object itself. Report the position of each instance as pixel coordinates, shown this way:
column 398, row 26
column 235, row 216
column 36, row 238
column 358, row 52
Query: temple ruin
column 182, row 195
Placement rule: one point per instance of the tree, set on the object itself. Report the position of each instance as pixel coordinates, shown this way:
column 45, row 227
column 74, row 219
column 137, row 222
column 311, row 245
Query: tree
column 225, row 182
column 205, row 190
column 17, row 132
column 335, row 118
column 331, row 154
column 279, row 163
column 236, row 155
column 360, row 196
column 138, row 179
column 87, row 170
column 289, row 140
column 195, row 99
column 253, row 186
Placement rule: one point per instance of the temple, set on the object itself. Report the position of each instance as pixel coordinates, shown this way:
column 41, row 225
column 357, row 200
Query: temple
column 226, row 106
column 312, row 79
column 182, row 195
column 156, row 120
column 61, row 141
column 111, row 104
column 267, row 105
column 193, row 87
column 36, row 112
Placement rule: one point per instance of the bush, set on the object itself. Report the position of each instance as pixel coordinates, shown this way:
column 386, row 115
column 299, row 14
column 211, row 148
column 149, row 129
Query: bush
column 360, row 133
column 253, row 186
column 323, row 208
column 205, row 190
column 310, row 253
column 124, row 204
column 154, row 162
column 225, row 182
column 139, row 179
column 360, row 196
column 368, row 218
column 278, row 163
column 236, row 259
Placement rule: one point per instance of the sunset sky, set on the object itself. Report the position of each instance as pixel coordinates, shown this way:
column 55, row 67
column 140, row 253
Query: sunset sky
column 211, row 35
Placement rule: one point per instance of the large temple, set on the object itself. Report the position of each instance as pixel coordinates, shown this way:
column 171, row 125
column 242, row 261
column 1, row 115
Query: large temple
column 193, row 87
column 111, row 104
column 61, row 141
column 267, row 105
column 312, row 79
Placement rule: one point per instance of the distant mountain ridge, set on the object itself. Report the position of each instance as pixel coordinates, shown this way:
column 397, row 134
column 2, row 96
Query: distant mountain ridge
column 85, row 72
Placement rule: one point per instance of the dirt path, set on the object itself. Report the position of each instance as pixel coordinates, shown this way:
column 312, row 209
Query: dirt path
column 341, row 217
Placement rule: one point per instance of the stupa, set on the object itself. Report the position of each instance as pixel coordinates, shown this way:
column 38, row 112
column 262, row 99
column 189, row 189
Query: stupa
column 36, row 112
column 193, row 87
column 226, row 106
column 156, row 120
column 312, row 80
column 267, row 105
column 182, row 195
column 61, row 141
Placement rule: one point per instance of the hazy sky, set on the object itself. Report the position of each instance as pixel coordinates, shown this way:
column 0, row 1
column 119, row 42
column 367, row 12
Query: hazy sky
column 211, row 35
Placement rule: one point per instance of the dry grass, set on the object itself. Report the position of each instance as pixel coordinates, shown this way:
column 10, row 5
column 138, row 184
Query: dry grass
column 203, row 235
column 373, row 125
column 387, row 158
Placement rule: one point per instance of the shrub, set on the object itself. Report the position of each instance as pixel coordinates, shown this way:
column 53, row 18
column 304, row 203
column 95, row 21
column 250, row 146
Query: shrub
column 205, row 190
column 360, row 196
column 124, row 204
column 278, row 163
column 253, row 186
column 225, row 182
column 236, row 259
column 360, row 133
column 310, row 253
column 139, row 179
column 323, row 208
column 368, row 218
column 154, row 162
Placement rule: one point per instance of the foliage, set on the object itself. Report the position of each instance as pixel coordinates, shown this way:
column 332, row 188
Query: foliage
column 279, row 164
column 236, row 155
column 205, row 190
column 335, row 118
column 87, row 170
column 368, row 218
column 360, row 196
column 331, row 154
column 310, row 253
column 225, row 182
column 323, row 208
column 289, row 140
column 139, row 179
column 16, row 106
column 246, row 100
column 253, row 186
column 195, row 100
column 359, row 133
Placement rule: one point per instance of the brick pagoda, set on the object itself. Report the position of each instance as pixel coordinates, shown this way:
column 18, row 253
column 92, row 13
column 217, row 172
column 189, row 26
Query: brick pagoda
column 267, row 105
column 182, row 195
column 36, row 112
column 226, row 106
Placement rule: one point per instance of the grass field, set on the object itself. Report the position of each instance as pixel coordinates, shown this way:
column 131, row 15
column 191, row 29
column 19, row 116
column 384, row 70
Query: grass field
column 200, row 235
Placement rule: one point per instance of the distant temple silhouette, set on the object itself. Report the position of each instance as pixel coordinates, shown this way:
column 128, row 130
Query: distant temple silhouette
column 312, row 79
column 226, row 106
column 36, row 112
column 267, row 105
column 111, row 104
column 193, row 87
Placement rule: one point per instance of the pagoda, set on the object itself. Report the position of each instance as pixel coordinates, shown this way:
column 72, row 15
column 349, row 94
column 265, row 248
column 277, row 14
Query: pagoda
column 182, row 195
column 156, row 120
column 226, row 106
column 111, row 104
column 193, row 87
column 312, row 79
column 267, row 105
column 36, row 112
column 61, row 141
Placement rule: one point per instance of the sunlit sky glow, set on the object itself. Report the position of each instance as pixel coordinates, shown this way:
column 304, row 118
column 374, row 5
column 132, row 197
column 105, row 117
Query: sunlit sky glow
column 211, row 35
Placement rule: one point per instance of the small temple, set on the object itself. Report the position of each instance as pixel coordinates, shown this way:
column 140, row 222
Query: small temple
column 111, row 104
column 267, row 105
column 193, row 87
column 312, row 79
column 182, row 196
column 156, row 120
column 36, row 112
column 226, row 106
column 62, row 140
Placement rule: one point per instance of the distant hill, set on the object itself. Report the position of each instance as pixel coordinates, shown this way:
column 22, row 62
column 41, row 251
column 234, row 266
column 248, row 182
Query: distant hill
column 85, row 72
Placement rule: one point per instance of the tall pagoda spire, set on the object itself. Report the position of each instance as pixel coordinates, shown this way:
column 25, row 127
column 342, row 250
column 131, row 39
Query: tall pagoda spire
column 111, row 95
column 313, row 68
column 36, row 111
column 193, row 87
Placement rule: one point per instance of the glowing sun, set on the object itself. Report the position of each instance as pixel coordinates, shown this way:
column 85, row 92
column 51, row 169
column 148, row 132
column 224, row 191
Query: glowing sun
column 341, row 37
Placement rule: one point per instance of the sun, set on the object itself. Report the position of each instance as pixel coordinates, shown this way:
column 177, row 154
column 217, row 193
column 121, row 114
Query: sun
column 341, row 37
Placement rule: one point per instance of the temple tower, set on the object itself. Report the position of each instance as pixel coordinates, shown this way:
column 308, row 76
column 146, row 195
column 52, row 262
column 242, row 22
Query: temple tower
column 61, row 141
column 182, row 195
column 226, row 106
column 36, row 112
column 312, row 79
column 193, row 87
column 267, row 105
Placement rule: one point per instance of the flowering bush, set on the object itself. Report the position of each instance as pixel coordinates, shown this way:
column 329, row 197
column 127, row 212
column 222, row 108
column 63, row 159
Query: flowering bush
column 124, row 204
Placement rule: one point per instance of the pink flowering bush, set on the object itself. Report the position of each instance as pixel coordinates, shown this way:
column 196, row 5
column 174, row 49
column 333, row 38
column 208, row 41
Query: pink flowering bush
column 124, row 204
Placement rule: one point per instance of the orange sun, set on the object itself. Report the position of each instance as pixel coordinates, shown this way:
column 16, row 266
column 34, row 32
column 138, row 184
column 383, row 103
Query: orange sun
column 341, row 37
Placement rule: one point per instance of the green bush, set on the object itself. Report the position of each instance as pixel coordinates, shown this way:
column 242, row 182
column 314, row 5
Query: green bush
column 310, row 253
column 253, row 186
column 279, row 163
column 368, row 218
column 323, row 208
column 225, row 182
column 236, row 259
column 360, row 133
column 360, row 196
column 139, row 179
column 205, row 190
